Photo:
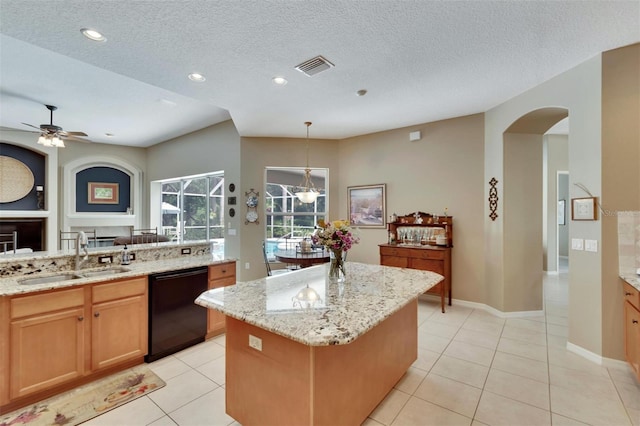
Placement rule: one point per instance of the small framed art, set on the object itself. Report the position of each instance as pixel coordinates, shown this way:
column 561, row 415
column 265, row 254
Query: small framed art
column 583, row 208
column 367, row 205
column 103, row 193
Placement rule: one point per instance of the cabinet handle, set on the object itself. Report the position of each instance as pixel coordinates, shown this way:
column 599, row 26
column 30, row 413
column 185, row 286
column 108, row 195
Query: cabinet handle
column 97, row 314
column 224, row 271
column 80, row 318
column 628, row 294
column 634, row 321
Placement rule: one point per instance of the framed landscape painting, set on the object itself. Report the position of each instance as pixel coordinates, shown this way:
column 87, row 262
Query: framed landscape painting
column 103, row 193
column 367, row 205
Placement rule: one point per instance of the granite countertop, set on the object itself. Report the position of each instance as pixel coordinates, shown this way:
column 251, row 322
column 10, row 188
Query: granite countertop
column 633, row 280
column 342, row 311
column 11, row 285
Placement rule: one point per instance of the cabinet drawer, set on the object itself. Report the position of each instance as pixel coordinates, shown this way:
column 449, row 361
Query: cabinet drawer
column 222, row 270
column 395, row 251
column 119, row 289
column 223, row 282
column 401, row 262
column 427, row 254
column 632, row 295
column 432, row 265
column 23, row 306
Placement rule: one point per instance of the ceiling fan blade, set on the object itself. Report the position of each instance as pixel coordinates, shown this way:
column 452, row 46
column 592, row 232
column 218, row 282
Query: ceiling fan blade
column 31, row 125
column 69, row 137
column 76, row 133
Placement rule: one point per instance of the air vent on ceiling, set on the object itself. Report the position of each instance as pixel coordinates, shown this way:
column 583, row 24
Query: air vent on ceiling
column 314, row 66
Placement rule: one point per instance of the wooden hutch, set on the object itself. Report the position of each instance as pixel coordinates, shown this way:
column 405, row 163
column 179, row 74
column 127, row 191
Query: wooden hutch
column 421, row 241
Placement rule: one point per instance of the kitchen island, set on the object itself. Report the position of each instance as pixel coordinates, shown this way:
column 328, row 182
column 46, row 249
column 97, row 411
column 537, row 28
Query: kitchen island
column 301, row 350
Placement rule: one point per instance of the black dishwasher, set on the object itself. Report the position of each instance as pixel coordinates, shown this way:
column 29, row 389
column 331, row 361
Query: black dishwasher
column 175, row 322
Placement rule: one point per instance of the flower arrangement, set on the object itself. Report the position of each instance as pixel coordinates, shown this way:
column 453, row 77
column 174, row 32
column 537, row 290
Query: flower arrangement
column 336, row 235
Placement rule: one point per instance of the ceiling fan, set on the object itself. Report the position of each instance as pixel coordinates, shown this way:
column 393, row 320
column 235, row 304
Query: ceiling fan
column 52, row 135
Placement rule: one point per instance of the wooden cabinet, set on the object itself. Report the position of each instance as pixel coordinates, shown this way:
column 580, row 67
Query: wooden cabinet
column 119, row 321
column 435, row 259
column 47, row 335
column 413, row 245
column 632, row 327
column 220, row 275
column 59, row 339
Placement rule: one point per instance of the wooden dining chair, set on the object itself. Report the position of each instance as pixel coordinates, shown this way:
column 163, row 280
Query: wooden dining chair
column 9, row 242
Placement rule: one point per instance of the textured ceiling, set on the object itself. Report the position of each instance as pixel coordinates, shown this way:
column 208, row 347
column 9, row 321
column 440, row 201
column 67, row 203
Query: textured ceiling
column 420, row 61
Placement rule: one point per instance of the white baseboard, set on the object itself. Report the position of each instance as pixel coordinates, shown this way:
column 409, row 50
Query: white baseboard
column 598, row 359
column 487, row 308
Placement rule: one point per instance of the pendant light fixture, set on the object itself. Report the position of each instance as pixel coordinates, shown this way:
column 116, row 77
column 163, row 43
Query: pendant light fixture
column 310, row 193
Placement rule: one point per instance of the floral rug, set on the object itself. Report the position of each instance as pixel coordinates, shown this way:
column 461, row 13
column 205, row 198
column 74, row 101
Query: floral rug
column 88, row 401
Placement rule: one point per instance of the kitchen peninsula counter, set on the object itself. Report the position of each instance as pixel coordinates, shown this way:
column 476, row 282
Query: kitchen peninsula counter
column 303, row 350
column 150, row 259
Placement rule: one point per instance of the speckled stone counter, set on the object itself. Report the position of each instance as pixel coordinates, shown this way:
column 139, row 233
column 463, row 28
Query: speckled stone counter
column 149, row 259
column 343, row 311
column 301, row 350
column 632, row 280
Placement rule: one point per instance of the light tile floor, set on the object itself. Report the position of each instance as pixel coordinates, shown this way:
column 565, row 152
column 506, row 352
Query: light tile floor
column 473, row 369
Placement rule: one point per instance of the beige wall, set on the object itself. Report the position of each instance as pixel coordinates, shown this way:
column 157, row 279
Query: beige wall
column 215, row 148
column 620, row 177
column 578, row 90
column 259, row 153
column 443, row 169
column 522, row 222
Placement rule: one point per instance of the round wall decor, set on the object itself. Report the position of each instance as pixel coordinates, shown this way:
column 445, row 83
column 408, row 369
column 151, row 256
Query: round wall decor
column 16, row 179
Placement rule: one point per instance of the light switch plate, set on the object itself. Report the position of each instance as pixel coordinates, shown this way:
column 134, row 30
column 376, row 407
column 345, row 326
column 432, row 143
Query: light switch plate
column 577, row 244
column 591, row 245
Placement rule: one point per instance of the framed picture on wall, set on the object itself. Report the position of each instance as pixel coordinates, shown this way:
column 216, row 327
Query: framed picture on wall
column 103, row 193
column 367, row 205
column 561, row 212
column 583, row 208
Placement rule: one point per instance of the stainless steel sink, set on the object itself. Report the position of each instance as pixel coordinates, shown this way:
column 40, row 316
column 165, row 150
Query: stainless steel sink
column 103, row 272
column 49, row 279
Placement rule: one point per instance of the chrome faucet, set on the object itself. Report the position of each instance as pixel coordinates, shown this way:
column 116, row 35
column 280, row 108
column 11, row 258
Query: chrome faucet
column 81, row 241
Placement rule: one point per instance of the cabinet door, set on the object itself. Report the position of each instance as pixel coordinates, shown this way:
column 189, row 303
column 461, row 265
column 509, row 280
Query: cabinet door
column 46, row 350
column 632, row 337
column 216, row 322
column 118, row 331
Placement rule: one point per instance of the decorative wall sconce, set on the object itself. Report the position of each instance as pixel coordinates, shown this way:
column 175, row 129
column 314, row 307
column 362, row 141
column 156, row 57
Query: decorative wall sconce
column 493, row 198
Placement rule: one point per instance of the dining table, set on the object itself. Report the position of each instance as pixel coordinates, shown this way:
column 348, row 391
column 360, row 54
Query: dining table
column 301, row 258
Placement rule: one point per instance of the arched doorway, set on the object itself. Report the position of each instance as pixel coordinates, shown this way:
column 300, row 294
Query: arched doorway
column 526, row 208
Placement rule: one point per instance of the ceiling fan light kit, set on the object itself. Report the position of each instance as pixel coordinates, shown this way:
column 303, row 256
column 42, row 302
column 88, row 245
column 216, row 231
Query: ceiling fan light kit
column 52, row 135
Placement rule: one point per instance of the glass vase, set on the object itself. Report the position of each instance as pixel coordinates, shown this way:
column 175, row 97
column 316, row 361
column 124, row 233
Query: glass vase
column 336, row 266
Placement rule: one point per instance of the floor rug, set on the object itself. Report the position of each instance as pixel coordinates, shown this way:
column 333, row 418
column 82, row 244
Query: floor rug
column 88, row 401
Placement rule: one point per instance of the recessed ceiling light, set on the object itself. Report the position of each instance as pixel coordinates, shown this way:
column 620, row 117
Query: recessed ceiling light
column 280, row 81
column 109, row 135
column 361, row 92
column 194, row 76
column 92, row 34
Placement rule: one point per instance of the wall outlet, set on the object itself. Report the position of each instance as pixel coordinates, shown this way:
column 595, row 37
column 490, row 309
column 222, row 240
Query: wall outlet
column 232, row 232
column 577, row 244
column 255, row 342
column 105, row 259
column 186, row 250
column 247, row 265
column 591, row 245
